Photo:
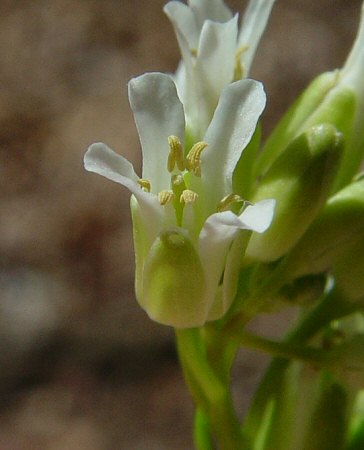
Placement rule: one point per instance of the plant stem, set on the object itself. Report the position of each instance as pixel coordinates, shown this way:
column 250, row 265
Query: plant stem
column 202, row 432
column 208, row 390
column 281, row 349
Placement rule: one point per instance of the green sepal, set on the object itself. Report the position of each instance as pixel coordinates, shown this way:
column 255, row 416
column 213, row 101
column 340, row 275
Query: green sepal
column 300, row 181
column 141, row 247
column 339, row 225
column 174, row 281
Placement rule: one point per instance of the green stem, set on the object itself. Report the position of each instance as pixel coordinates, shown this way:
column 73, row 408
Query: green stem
column 330, row 308
column 281, row 349
column 209, row 392
column 202, row 432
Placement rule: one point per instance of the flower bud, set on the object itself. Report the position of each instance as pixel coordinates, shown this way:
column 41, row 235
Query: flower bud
column 173, row 281
column 300, row 181
column 293, row 121
column 338, row 226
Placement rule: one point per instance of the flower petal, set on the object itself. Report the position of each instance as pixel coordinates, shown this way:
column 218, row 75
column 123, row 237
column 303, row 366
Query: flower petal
column 253, row 25
column 158, row 114
column 215, row 238
column 184, row 22
column 217, row 44
column 259, row 216
column 215, row 10
column 100, row 159
column 235, row 119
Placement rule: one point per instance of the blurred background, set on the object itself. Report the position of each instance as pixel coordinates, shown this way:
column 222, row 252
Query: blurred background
column 81, row 366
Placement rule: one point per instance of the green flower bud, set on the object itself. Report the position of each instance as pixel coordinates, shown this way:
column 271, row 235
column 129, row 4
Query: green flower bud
column 338, row 226
column 293, row 121
column 173, row 281
column 300, row 181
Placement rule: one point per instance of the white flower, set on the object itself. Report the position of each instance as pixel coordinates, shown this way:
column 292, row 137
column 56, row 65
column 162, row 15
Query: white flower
column 186, row 195
column 214, row 51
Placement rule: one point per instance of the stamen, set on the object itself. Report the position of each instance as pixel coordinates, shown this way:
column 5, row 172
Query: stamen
column 175, row 157
column 228, row 201
column 165, row 197
column 145, row 184
column 239, row 68
column 193, row 160
column 188, row 196
column 194, row 52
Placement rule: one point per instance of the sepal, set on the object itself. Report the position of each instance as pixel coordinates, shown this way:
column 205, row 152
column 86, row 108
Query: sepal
column 173, row 281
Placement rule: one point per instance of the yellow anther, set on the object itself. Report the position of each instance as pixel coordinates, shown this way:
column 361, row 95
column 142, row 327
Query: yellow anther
column 165, row 197
column 145, row 184
column 228, row 201
column 188, row 196
column 194, row 52
column 193, row 160
column 239, row 68
column 175, row 157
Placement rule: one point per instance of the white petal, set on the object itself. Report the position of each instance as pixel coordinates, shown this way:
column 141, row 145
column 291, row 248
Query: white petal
column 215, row 10
column 215, row 238
column 158, row 113
column 100, row 159
column 235, row 119
column 214, row 67
column 180, row 80
column 253, row 25
column 259, row 216
column 185, row 26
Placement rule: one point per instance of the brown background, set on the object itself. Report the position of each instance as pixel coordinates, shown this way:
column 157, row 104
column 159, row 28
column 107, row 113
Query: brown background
column 81, row 367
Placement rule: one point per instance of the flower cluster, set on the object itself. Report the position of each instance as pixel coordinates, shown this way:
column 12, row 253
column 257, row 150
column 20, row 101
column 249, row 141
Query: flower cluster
column 225, row 228
column 193, row 128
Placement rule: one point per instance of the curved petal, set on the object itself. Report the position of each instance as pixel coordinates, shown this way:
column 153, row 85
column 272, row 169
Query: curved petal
column 100, row 159
column 218, row 233
column 180, row 80
column 259, row 216
column 253, row 25
column 158, row 113
column 215, row 10
column 235, row 119
column 215, row 238
column 214, row 67
column 185, row 27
